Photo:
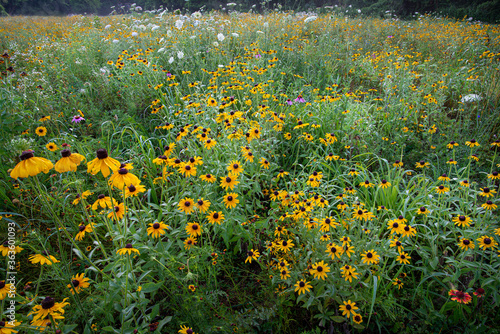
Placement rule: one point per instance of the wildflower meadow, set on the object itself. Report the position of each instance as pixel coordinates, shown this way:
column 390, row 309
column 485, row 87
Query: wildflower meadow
column 237, row 172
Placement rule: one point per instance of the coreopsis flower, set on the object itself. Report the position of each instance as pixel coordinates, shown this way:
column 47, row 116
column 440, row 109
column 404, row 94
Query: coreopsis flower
column 30, row 165
column 68, row 162
column 460, row 296
column 78, row 282
column 44, row 258
column 157, row 229
column 302, row 286
column 128, row 249
column 348, row 308
column 103, row 163
column 252, row 254
column 48, row 307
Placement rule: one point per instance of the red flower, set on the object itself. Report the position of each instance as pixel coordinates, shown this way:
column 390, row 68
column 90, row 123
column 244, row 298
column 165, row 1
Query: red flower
column 479, row 292
column 459, row 296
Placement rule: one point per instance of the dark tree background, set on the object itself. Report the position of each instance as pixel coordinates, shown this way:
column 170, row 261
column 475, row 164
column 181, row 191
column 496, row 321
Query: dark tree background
column 483, row 10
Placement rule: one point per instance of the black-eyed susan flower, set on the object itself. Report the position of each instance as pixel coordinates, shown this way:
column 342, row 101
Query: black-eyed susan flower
column 348, row 308
column 462, row 221
column 215, row 217
column 342, row 206
column 193, row 229
column 68, row 162
column 451, row 162
column 302, row 286
column 122, row 178
column 186, row 205
column 384, row 184
column 489, row 205
column 264, row 163
column 403, row 258
column 443, row 177
column 210, row 143
column 229, row 181
column 104, row 202
column 157, row 229
column 190, row 242
column 30, row 165
column 370, row 257
column 48, row 307
column 118, row 212
column 44, row 258
column 451, row 145
column 398, row 163
column 366, row 184
column 395, row 226
column 486, row 242
column 472, row 143
column 422, row 164
column 408, row 231
column 82, row 229
column 334, row 250
column 51, row 147
column 466, row 244
column 103, row 163
column 442, row 189
column 134, row 190
column 285, row 245
column 284, row 273
column 319, row 270
column 423, row 211
column 5, row 248
column 230, row 200
column 252, row 254
column 78, row 283
column 235, row 167
column 41, row 131
column 187, row 169
column 128, row 249
column 494, row 176
column 161, row 160
column 357, row 318
column 208, row 178
column 327, row 223
column 465, row 183
column 487, row 192
column 5, row 289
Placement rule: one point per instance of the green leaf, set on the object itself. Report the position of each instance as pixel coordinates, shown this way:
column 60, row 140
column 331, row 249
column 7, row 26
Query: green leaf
column 68, row 328
column 338, row 318
column 358, row 326
column 151, row 287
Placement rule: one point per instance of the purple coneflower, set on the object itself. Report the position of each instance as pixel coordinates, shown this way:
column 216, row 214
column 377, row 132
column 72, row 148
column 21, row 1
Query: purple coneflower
column 77, row 119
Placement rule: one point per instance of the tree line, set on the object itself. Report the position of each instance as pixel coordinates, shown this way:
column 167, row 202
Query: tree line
column 483, row 10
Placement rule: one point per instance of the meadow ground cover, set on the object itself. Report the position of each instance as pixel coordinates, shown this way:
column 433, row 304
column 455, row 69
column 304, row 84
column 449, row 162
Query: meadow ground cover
column 235, row 172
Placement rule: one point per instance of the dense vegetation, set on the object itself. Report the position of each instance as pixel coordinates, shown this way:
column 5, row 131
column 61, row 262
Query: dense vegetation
column 483, row 10
column 234, row 172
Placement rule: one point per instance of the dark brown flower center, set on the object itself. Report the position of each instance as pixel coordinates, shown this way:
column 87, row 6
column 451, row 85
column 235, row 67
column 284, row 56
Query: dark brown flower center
column 75, row 283
column 101, row 196
column 48, row 303
column 102, row 153
column 123, row 171
column 215, row 215
column 27, row 154
column 319, row 269
column 228, row 179
column 302, row 284
column 156, row 226
column 348, row 307
column 81, row 228
column 128, row 246
column 369, row 255
column 65, row 153
column 466, row 242
column 487, row 241
column 229, row 198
